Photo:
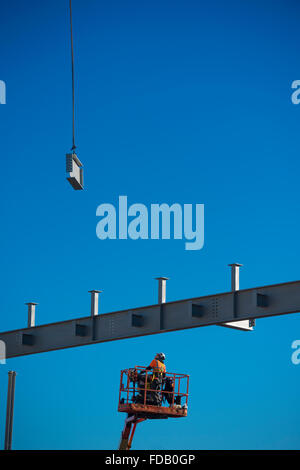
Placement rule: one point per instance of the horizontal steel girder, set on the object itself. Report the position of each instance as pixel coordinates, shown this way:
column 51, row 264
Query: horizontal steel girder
column 216, row 309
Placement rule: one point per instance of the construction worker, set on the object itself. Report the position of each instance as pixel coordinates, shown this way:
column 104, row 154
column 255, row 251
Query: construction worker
column 158, row 366
column 159, row 372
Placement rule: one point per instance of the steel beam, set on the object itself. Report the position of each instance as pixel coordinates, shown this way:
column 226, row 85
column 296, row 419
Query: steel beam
column 247, row 304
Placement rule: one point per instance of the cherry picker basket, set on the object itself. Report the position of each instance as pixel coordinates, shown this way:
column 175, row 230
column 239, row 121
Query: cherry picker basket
column 143, row 396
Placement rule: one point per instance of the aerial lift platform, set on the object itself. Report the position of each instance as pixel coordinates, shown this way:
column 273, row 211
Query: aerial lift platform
column 141, row 400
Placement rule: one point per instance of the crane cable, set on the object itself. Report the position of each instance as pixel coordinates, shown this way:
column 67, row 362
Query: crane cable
column 73, row 82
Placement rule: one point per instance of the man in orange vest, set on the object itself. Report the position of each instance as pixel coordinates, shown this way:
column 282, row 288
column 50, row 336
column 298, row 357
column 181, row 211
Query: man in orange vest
column 158, row 376
column 158, row 366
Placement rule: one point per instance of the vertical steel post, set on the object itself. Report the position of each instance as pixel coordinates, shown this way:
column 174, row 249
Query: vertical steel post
column 10, row 409
column 235, row 276
column 162, row 287
column 31, row 314
column 95, row 301
column 246, row 325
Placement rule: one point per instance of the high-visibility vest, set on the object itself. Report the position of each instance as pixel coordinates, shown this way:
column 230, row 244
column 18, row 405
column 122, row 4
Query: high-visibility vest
column 158, row 367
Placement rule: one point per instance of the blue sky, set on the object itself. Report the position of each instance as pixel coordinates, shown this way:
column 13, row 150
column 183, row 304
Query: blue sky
column 184, row 102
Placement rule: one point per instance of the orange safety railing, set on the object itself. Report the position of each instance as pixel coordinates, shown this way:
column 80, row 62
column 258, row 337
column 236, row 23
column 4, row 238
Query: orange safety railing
column 131, row 389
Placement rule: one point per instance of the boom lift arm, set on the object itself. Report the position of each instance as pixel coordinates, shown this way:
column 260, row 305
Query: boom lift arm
column 128, row 431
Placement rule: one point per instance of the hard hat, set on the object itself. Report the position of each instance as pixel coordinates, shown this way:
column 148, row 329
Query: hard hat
column 161, row 356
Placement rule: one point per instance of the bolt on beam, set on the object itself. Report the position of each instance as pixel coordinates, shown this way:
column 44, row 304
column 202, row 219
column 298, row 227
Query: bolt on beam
column 31, row 314
column 244, row 325
column 95, row 301
column 235, row 276
column 162, row 289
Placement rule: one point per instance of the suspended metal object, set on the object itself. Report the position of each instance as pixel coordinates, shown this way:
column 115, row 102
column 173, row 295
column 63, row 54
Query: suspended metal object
column 74, row 166
column 74, row 171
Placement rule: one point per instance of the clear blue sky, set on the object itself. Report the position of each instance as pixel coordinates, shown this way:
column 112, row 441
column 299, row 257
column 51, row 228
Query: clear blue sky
column 177, row 101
